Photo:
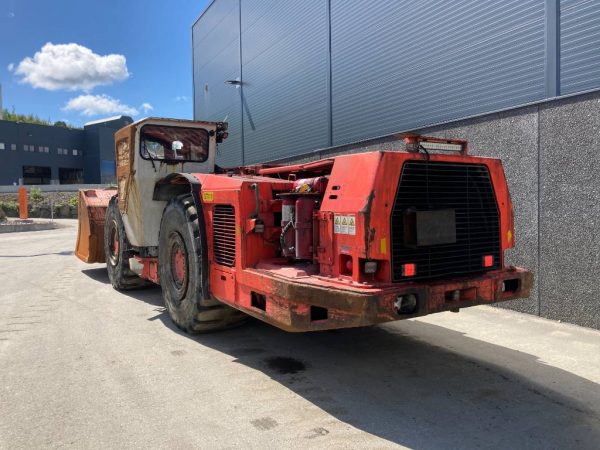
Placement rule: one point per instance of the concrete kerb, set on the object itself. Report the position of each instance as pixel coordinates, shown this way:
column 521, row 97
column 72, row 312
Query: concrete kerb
column 16, row 226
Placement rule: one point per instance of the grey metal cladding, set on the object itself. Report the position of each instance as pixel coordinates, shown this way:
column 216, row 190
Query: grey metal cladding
column 579, row 45
column 405, row 64
column 285, row 75
column 216, row 49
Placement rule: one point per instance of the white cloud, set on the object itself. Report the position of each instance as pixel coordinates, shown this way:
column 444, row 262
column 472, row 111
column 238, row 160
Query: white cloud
column 96, row 105
column 11, row 67
column 181, row 98
column 71, row 67
column 147, row 107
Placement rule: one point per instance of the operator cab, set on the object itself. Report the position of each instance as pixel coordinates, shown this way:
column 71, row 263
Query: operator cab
column 152, row 149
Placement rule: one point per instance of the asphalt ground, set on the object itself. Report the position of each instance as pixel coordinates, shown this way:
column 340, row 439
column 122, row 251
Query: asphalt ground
column 85, row 366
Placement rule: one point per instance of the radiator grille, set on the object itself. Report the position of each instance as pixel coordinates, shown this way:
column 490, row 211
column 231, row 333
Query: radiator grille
column 224, row 235
column 466, row 188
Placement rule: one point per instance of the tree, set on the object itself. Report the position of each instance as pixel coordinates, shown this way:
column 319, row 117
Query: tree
column 32, row 118
column 29, row 118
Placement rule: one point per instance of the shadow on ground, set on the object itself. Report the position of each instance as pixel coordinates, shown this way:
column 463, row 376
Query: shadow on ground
column 416, row 384
column 151, row 294
column 63, row 253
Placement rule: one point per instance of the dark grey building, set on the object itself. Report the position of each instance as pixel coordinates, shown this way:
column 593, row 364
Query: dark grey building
column 519, row 79
column 99, row 142
column 41, row 154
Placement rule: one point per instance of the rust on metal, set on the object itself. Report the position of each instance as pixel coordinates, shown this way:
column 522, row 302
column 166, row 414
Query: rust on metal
column 342, row 271
column 90, row 234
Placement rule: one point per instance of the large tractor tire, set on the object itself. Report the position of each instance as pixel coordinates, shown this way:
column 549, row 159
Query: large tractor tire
column 118, row 251
column 183, row 270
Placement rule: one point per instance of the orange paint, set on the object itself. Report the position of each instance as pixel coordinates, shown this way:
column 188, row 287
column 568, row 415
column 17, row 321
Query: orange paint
column 23, row 214
column 352, row 226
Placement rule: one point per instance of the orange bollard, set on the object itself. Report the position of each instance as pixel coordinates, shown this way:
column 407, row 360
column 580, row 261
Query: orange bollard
column 23, row 203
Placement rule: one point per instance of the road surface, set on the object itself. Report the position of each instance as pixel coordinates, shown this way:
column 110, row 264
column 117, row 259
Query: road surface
column 84, row 366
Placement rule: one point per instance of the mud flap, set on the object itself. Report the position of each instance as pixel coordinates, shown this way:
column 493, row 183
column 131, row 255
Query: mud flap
column 90, row 234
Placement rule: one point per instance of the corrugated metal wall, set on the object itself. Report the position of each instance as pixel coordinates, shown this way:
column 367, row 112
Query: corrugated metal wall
column 404, row 64
column 318, row 73
column 285, row 70
column 216, row 53
column 579, row 45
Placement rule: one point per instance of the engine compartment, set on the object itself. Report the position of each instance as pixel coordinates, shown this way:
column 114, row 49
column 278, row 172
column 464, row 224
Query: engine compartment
column 335, row 219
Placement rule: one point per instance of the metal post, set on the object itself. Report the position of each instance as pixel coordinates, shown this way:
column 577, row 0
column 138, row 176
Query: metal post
column 552, row 68
column 23, row 215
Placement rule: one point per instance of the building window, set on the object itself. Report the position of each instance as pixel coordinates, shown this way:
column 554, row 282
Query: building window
column 59, row 151
column 70, row 176
column 1, row 145
column 36, row 175
column 26, row 148
column 46, row 149
column 13, row 147
column 74, row 152
column 41, row 149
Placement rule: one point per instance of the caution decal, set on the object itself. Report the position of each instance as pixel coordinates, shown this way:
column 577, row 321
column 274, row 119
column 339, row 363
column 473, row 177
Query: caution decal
column 344, row 225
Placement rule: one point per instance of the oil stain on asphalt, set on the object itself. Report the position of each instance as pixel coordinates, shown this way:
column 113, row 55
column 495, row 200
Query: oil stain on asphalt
column 285, row 365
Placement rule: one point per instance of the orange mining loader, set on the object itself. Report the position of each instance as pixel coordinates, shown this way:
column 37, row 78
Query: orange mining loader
column 347, row 241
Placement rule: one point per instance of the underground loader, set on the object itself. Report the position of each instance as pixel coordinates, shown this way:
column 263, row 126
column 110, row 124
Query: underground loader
column 346, row 241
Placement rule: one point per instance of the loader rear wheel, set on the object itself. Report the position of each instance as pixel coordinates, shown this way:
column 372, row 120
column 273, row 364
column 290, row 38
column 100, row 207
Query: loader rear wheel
column 117, row 251
column 183, row 270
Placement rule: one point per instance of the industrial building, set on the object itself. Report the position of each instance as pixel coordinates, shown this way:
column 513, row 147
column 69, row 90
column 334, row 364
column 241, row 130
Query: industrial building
column 40, row 154
column 519, row 79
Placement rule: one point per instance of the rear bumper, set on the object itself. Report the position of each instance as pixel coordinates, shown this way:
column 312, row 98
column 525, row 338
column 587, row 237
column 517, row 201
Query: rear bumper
column 300, row 306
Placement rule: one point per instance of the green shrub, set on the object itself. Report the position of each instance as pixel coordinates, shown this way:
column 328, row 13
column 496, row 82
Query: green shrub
column 73, row 201
column 10, row 208
column 35, row 194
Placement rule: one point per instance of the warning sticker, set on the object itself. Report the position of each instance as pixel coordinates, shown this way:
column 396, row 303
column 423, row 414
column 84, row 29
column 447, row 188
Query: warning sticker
column 344, row 225
column 351, row 225
column 208, row 196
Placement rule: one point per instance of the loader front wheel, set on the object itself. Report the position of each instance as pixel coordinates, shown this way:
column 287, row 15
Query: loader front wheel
column 183, row 270
column 118, row 252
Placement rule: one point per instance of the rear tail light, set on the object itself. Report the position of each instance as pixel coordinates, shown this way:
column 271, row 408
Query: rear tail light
column 488, row 261
column 409, row 270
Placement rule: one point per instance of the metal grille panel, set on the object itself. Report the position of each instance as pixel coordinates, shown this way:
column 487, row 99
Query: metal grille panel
column 466, row 188
column 224, row 235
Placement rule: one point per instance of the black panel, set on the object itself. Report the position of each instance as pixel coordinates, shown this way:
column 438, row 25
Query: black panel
column 224, row 235
column 465, row 188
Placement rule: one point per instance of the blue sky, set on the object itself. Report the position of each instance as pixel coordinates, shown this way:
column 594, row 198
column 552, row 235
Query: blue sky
column 128, row 55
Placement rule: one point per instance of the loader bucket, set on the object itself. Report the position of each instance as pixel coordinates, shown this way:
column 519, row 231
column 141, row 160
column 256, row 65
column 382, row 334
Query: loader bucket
column 90, row 235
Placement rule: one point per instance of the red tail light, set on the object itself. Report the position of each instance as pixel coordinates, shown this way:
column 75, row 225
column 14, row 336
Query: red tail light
column 488, row 261
column 409, row 270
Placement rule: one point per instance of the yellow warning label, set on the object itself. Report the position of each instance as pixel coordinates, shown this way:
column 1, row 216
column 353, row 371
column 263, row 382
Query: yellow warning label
column 509, row 236
column 208, row 196
column 344, row 225
column 336, row 225
column 383, row 246
column 351, row 225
